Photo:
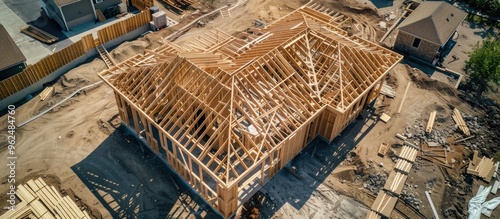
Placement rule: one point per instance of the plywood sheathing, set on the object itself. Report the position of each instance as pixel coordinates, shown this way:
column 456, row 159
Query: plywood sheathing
column 228, row 114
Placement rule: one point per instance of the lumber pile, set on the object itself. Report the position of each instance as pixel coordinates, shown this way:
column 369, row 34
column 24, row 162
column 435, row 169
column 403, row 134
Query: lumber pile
column 39, row 34
column 177, row 5
column 46, row 92
column 481, row 167
column 388, row 196
column 430, row 123
column 388, row 90
column 38, row 200
column 457, row 117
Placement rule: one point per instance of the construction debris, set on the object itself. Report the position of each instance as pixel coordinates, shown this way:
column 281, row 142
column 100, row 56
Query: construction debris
column 478, row 204
column 482, row 167
column 382, row 150
column 46, row 92
column 457, row 117
column 430, row 123
column 388, row 90
column 385, row 118
column 436, row 215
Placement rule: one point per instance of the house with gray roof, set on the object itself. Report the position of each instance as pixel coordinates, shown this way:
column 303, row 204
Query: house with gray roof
column 428, row 30
column 71, row 13
column 12, row 60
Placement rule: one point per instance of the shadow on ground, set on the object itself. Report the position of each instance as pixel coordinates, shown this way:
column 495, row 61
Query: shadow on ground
column 314, row 164
column 131, row 182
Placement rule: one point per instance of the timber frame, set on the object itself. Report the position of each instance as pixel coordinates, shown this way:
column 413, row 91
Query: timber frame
column 228, row 114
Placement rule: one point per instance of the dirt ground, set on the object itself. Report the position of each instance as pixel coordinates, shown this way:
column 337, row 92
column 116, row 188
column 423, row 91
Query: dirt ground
column 79, row 147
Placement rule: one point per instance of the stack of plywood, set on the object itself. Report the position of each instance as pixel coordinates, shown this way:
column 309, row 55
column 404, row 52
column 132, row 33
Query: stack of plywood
column 482, row 167
column 38, row 200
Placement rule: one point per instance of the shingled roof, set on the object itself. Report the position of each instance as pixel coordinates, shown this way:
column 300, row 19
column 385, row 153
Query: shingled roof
column 434, row 21
column 11, row 54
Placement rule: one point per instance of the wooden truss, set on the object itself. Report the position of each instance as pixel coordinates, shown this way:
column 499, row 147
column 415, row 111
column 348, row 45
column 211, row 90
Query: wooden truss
column 227, row 114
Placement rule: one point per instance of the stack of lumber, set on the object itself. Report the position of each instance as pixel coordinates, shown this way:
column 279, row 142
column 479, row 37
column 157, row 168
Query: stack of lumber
column 408, row 153
column 38, row 200
column 457, row 117
column 482, row 167
column 388, row 196
column 395, row 182
column 46, row 92
column 178, row 4
column 388, row 90
column 39, row 34
column 384, row 204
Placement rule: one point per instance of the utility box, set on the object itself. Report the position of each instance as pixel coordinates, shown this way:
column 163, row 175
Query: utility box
column 160, row 19
column 154, row 9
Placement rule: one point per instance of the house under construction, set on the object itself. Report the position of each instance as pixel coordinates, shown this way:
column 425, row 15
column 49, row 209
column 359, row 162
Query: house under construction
column 228, row 114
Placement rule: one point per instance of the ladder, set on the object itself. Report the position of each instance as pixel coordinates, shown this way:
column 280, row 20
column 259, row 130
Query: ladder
column 105, row 56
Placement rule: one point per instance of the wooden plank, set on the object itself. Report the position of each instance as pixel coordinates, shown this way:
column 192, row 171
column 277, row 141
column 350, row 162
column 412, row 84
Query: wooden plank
column 404, row 96
column 430, row 123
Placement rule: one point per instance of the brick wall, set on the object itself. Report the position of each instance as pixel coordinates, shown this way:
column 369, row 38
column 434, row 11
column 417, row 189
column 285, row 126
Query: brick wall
column 426, row 50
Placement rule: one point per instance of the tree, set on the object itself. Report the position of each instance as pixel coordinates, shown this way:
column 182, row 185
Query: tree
column 484, row 65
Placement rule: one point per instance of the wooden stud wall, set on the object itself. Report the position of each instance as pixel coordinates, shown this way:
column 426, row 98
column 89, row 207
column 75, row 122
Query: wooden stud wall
column 227, row 125
column 118, row 29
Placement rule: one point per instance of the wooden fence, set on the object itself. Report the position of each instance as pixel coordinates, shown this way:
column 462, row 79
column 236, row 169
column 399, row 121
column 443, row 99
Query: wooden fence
column 51, row 63
column 115, row 30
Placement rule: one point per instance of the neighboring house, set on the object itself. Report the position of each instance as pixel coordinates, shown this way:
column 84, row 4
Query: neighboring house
column 12, row 60
column 71, row 13
column 429, row 30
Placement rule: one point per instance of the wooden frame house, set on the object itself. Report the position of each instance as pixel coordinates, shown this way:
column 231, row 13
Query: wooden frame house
column 228, row 114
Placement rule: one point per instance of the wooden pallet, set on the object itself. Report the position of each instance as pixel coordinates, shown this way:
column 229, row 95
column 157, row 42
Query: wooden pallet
column 382, row 150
